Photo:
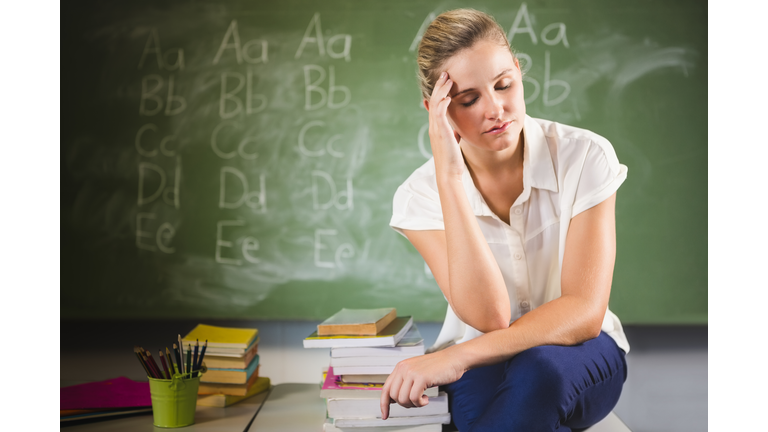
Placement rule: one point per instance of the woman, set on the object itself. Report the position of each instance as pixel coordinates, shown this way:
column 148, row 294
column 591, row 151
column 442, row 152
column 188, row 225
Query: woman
column 515, row 218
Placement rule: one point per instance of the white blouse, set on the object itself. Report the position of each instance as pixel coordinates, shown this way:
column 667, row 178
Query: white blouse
column 566, row 170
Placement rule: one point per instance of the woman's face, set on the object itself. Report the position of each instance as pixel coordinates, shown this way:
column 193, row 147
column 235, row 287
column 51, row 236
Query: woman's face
column 487, row 104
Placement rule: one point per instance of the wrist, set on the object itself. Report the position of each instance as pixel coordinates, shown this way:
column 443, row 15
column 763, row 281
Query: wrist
column 460, row 356
column 448, row 178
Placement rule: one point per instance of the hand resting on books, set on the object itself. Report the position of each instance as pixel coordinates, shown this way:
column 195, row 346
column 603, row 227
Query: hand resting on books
column 406, row 384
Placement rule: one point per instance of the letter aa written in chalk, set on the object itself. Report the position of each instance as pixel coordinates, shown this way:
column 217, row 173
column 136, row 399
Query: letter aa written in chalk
column 254, row 51
column 163, row 60
column 314, row 35
column 523, row 24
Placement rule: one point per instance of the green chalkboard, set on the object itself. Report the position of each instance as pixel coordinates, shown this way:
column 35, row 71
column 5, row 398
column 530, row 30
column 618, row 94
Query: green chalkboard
column 238, row 158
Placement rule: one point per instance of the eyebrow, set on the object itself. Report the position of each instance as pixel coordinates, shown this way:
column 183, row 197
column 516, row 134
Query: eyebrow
column 494, row 78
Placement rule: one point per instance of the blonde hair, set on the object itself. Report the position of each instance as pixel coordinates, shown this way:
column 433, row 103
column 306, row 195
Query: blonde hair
column 449, row 33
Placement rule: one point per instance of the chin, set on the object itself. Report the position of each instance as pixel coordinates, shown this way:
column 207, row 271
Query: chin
column 502, row 142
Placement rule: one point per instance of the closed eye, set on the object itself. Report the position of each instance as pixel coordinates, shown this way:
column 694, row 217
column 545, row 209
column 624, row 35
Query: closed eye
column 472, row 102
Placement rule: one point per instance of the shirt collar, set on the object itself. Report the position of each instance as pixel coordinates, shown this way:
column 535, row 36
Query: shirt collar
column 538, row 170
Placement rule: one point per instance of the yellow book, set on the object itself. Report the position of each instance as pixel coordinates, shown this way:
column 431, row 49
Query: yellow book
column 222, row 400
column 225, row 337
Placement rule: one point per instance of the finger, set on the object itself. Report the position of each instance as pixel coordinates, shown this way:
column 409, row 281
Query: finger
column 442, row 107
column 441, row 93
column 404, row 396
column 384, row 400
column 441, row 89
column 391, row 387
column 394, row 390
column 417, row 396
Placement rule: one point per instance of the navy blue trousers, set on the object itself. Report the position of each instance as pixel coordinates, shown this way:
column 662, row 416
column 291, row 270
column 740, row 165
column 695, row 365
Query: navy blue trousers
column 546, row 388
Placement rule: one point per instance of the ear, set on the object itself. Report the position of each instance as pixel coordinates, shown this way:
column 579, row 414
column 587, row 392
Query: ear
column 517, row 65
column 426, row 104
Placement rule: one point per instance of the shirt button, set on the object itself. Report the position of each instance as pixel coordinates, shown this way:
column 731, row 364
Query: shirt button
column 518, row 256
column 518, row 211
column 523, row 304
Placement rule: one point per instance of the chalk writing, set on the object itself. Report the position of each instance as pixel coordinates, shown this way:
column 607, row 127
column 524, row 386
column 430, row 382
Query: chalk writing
column 150, row 86
column 315, row 26
column 256, row 200
column 170, row 194
column 162, row 238
column 163, row 59
column 241, row 149
column 327, row 98
column 244, row 52
column 319, row 150
column 334, row 198
column 343, row 251
column 221, row 243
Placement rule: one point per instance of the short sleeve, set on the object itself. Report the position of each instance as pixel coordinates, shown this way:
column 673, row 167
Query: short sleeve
column 601, row 176
column 416, row 206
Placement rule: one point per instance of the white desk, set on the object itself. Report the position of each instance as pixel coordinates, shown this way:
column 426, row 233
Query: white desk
column 298, row 407
column 288, row 408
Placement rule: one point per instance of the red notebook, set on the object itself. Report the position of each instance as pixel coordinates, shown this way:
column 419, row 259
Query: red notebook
column 113, row 393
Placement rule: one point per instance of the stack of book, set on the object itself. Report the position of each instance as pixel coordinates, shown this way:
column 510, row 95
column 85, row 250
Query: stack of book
column 366, row 345
column 232, row 364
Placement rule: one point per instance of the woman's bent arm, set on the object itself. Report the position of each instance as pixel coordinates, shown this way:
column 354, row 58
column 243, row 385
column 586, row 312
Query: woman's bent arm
column 574, row 317
column 460, row 257
column 463, row 264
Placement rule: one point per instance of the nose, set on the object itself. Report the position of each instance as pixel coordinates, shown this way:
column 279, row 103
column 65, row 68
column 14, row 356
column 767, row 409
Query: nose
column 495, row 106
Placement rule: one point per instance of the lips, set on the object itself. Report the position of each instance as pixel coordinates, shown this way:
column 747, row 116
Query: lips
column 498, row 128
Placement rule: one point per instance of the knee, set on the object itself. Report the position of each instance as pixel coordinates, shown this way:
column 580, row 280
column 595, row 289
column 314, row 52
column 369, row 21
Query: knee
column 539, row 370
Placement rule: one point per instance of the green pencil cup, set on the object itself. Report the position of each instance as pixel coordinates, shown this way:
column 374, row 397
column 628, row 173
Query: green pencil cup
column 174, row 401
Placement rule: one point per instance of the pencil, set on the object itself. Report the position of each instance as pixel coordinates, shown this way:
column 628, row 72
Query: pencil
column 141, row 360
column 181, row 353
column 152, row 364
column 152, row 371
column 202, row 354
column 189, row 359
column 194, row 357
column 165, row 365
column 179, row 366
